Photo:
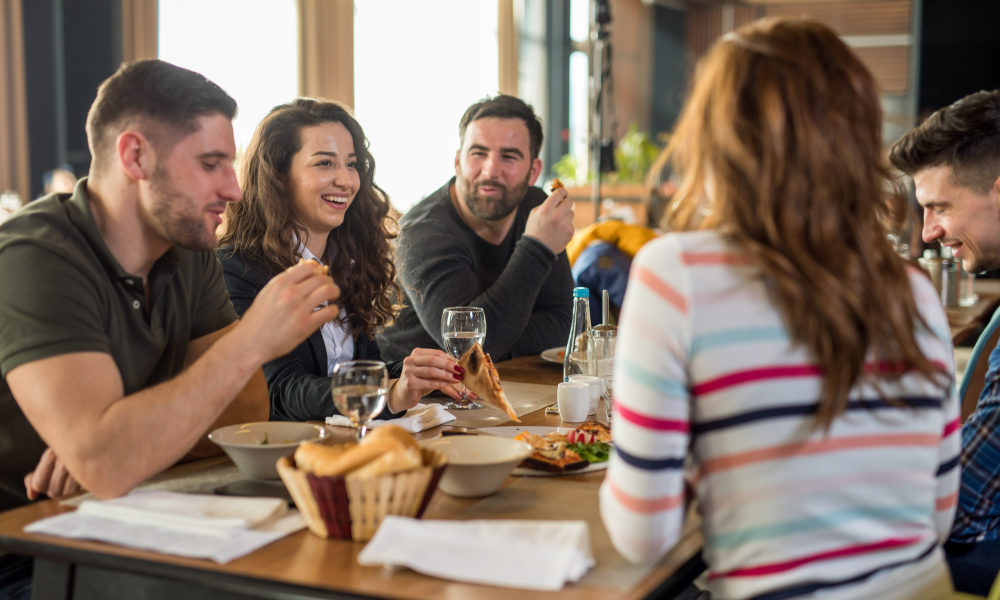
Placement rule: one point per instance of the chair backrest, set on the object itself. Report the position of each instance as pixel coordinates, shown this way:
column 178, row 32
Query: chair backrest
column 975, row 372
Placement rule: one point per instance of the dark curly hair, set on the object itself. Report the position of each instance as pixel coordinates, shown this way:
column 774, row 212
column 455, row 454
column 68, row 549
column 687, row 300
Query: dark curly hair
column 263, row 228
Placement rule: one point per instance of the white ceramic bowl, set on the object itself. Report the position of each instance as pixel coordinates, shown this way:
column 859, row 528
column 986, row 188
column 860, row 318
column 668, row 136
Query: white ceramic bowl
column 477, row 464
column 256, row 447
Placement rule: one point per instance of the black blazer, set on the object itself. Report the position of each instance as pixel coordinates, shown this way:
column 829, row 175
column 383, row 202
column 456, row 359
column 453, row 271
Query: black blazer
column 297, row 383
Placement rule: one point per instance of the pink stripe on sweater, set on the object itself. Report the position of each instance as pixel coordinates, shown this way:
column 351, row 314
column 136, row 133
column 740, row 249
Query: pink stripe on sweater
column 660, row 288
column 645, row 505
column 714, row 258
column 650, row 422
column 951, row 427
column 750, row 375
column 781, row 371
column 771, row 569
column 946, row 503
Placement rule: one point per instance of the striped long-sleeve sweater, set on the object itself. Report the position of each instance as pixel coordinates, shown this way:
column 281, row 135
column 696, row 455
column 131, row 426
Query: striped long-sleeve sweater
column 709, row 387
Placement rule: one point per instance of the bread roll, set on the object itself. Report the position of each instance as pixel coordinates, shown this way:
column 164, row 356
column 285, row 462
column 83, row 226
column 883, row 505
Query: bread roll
column 314, row 457
column 394, row 432
column 387, row 449
column 392, row 461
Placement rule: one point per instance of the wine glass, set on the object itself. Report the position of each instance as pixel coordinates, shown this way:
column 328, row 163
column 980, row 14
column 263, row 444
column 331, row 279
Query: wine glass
column 360, row 389
column 461, row 328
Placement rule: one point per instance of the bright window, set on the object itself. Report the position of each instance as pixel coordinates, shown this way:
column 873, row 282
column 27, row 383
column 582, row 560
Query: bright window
column 417, row 67
column 248, row 47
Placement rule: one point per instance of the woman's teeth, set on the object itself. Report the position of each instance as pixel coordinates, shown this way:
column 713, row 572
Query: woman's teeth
column 335, row 199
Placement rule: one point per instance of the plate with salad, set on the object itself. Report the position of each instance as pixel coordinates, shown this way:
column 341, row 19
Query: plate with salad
column 560, row 450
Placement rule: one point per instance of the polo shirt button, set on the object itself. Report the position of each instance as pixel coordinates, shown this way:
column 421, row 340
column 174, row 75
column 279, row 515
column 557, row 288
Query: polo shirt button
column 135, row 304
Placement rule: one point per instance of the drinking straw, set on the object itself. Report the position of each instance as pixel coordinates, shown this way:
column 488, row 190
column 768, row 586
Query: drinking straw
column 604, row 307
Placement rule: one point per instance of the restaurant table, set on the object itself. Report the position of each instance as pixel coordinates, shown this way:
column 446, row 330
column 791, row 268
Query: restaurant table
column 967, row 322
column 303, row 565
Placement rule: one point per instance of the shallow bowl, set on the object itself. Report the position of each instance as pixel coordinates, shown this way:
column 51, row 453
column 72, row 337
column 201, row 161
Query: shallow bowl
column 256, row 447
column 477, row 464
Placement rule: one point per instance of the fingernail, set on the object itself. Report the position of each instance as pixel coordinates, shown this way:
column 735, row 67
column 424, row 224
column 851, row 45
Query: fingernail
column 457, row 376
column 459, row 369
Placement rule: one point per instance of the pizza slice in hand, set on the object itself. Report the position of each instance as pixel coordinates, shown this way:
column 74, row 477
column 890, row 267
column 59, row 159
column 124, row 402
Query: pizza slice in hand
column 482, row 379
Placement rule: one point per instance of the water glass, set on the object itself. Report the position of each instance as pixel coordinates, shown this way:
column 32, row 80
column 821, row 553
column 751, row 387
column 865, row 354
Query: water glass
column 461, row 328
column 608, row 395
column 601, row 349
column 360, row 389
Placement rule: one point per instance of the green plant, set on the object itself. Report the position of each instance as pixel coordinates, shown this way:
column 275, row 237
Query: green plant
column 566, row 169
column 634, row 155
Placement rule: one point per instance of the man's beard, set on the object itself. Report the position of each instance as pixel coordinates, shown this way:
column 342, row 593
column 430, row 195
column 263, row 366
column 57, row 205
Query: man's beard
column 177, row 217
column 491, row 208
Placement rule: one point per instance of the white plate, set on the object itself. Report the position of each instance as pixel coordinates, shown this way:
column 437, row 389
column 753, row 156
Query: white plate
column 554, row 354
column 513, row 431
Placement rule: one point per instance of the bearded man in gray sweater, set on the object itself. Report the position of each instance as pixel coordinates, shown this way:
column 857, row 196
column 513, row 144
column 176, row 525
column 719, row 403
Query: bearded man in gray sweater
column 488, row 238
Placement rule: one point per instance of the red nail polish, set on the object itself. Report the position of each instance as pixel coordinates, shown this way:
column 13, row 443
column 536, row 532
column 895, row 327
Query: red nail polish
column 459, row 369
column 457, row 376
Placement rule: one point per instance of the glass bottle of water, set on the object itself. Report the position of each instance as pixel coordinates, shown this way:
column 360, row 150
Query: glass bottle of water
column 575, row 359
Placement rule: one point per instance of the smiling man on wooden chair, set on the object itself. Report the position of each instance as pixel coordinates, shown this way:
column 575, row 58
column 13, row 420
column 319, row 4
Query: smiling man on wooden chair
column 954, row 159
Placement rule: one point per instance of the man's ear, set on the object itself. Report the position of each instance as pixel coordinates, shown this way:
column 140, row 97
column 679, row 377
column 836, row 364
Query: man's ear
column 536, row 170
column 458, row 155
column 134, row 155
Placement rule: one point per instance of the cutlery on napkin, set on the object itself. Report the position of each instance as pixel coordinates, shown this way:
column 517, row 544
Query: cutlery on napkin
column 538, row 555
column 220, row 528
column 420, row 417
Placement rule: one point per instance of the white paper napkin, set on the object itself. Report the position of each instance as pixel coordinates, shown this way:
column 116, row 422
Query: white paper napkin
column 537, row 555
column 420, row 417
column 219, row 528
column 197, row 513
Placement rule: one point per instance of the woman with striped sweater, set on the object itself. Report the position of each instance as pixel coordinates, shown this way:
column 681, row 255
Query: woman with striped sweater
column 775, row 356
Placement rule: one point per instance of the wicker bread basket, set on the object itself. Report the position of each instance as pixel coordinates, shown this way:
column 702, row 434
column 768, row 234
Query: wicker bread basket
column 353, row 507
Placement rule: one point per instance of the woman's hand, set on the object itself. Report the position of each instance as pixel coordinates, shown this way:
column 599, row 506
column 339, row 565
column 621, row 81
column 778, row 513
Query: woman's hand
column 50, row 478
column 424, row 371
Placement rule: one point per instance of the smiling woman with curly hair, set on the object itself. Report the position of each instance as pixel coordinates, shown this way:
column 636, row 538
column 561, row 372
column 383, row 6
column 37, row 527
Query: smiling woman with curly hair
column 309, row 193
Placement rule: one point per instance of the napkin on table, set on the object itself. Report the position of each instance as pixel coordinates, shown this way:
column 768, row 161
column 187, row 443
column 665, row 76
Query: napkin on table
column 420, row 417
column 537, row 555
column 220, row 528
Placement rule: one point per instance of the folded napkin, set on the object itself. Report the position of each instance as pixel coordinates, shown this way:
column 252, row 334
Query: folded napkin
column 418, row 418
column 220, row 528
column 537, row 555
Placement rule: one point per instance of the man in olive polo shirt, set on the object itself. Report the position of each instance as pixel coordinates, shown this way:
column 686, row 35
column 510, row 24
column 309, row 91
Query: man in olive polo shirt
column 119, row 347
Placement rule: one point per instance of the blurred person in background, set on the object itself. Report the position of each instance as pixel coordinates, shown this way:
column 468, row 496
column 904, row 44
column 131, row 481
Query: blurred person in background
column 774, row 353
column 60, row 180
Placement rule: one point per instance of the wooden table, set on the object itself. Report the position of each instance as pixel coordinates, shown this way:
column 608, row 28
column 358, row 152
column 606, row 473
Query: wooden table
column 967, row 322
column 303, row 565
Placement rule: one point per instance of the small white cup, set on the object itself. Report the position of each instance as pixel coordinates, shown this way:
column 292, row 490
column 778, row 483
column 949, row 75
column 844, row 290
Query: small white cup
column 595, row 390
column 573, row 398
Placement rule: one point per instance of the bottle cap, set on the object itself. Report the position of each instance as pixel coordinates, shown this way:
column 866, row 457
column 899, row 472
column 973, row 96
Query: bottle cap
column 581, row 292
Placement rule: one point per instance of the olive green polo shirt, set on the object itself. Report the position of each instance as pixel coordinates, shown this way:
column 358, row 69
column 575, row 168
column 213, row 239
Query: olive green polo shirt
column 62, row 291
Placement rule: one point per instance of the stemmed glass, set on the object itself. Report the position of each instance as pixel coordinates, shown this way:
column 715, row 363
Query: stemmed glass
column 360, row 389
column 461, row 328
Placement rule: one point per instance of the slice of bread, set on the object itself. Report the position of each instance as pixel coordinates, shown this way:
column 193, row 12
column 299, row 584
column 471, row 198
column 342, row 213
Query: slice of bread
column 482, row 379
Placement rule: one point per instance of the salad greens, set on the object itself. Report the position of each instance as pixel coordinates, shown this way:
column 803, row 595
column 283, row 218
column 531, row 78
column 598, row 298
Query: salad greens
column 593, row 452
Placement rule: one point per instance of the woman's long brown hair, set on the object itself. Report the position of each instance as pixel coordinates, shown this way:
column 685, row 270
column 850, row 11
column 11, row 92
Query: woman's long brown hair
column 779, row 149
column 263, row 228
